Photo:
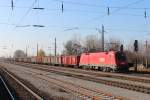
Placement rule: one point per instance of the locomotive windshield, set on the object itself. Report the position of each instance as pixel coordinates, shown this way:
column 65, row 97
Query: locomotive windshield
column 120, row 56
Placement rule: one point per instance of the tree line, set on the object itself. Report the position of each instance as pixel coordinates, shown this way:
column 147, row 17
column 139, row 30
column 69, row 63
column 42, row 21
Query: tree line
column 92, row 43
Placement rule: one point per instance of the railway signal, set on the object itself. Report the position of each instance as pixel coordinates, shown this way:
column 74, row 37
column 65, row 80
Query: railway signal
column 136, row 45
column 121, row 48
column 136, row 50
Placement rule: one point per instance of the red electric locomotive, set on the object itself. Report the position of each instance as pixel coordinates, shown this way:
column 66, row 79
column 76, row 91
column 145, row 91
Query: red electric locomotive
column 105, row 61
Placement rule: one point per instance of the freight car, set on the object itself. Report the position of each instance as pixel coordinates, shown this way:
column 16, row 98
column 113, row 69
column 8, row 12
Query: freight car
column 55, row 60
column 71, row 60
column 45, row 60
column 104, row 61
column 33, row 60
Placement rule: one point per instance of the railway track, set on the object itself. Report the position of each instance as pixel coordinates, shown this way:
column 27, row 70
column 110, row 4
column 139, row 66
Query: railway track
column 78, row 90
column 22, row 90
column 95, row 73
column 90, row 76
column 75, row 89
column 87, row 93
column 5, row 93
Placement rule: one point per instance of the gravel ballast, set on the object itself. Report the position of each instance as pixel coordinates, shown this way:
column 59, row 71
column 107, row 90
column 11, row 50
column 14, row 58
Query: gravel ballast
column 54, row 91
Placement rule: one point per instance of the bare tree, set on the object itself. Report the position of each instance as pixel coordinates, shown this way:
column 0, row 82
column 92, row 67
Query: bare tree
column 92, row 43
column 72, row 47
column 142, row 55
column 41, row 53
column 113, row 44
column 19, row 54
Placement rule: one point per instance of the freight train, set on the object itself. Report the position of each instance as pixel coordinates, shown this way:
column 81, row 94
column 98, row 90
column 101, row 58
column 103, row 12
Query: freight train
column 104, row 61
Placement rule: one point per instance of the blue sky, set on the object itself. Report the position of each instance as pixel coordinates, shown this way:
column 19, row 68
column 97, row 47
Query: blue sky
column 127, row 23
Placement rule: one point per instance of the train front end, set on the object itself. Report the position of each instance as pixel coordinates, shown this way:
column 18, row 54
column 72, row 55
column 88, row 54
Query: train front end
column 121, row 61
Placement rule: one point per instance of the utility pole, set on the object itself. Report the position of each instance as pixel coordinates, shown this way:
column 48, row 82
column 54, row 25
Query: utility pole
column 146, row 54
column 12, row 47
column 26, row 51
column 103, row 37
column 37, row 50
column 136, row 49
column 55, row 50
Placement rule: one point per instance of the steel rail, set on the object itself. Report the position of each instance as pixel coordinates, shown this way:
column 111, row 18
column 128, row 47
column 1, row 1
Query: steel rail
column 101, row 74
column 23, row 85
column 80, row 75
column 78, row 89
column 7, row 88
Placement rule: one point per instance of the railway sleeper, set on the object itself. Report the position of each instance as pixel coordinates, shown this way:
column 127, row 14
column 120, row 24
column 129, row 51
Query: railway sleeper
column 123, row 85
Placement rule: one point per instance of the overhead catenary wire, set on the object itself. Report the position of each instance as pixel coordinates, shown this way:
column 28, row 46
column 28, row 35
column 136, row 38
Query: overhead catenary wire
column 109, row 11
column 108, row 8
column 123, row 7
column 84, row 11
column 7, row 24
column 23, row 17
column 105, row 6
column 11, row 15
column 96, row 12
column 79, row 3
column 69, row 28
column 114, row 11
column 111, row 7
column 108, row 29
column 73, row 10
column 37, row 10
column 86, row 4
